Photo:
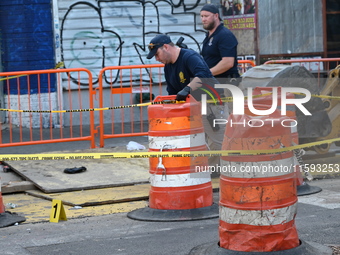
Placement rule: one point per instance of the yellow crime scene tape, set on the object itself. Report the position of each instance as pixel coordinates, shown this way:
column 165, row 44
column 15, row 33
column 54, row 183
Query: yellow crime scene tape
column 155, row 154
column 225, row 99
column 97, row 109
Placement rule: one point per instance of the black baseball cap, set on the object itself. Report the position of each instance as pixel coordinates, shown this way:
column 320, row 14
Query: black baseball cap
column 157, row 42
column 211, row 8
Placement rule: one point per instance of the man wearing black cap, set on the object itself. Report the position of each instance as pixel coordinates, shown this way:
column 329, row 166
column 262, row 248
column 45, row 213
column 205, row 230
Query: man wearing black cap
column 184, row 69
column 186, row 72
column 219, row 46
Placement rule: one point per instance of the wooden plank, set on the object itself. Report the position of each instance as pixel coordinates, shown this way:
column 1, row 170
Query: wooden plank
column 98, row 196
column 18, row 186
column 49, row 176
column 103, row 196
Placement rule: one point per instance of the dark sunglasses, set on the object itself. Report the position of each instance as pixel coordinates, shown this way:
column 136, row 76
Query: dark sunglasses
column 153, row 45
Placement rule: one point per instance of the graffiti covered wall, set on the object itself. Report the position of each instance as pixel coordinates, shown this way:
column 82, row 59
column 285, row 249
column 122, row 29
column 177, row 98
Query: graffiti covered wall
column 96, row 34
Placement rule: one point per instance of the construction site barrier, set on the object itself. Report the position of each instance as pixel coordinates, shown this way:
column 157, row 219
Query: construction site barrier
column 178, row 191
column 174, row 182
column 258, row 195
column 258, row 200
column 119, row 85
column 2, row 206
column 36, row 124
column 244, row 65
column 320, row 67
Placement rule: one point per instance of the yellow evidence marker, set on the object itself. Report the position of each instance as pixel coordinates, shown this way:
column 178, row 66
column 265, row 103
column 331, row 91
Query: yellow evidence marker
column 57, row 211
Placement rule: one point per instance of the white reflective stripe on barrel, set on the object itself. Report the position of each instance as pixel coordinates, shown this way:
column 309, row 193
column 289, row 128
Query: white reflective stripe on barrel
column 179, row 180
column 259, row 169
column 176, row 142
column 258, row 217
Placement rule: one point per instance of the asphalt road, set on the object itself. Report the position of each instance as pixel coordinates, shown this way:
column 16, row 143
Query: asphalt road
column 318, row 220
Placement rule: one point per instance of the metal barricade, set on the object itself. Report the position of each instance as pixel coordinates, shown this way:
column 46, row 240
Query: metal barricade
column 244, row 65
column 319, row 67
column 33, row 107
column 127, row 85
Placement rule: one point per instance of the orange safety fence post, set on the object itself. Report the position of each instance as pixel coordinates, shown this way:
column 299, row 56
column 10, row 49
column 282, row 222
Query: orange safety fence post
column 258, row 200
column 178, row 191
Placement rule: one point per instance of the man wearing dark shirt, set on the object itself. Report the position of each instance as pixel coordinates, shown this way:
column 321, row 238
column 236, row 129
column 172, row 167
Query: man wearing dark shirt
column 219, row 46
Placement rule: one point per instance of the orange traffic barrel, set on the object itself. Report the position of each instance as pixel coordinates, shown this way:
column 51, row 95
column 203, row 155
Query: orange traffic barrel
column 303, row 188
column 263, row 98
column 8, row 218
column 181, row 187
column 2, row 206
column 258, row 200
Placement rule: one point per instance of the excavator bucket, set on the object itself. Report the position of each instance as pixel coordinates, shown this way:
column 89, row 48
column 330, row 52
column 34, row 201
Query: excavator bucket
column 274, row 75
column 332, row 105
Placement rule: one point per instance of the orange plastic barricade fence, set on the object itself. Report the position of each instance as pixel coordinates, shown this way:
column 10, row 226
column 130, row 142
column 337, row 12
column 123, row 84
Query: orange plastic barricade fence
column 127, row 85
column 244, row 65
column 37, row 107
column 320, row 67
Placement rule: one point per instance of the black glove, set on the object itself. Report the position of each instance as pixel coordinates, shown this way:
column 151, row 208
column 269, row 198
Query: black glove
column 182, row 95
